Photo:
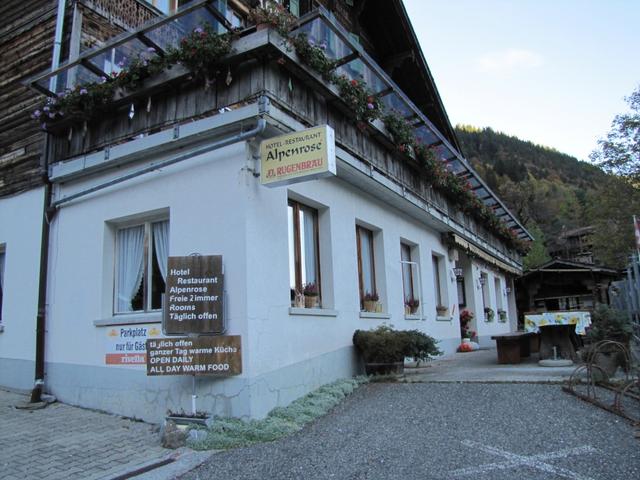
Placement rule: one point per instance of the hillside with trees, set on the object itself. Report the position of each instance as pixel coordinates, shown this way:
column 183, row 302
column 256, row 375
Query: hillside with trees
column 552, row 192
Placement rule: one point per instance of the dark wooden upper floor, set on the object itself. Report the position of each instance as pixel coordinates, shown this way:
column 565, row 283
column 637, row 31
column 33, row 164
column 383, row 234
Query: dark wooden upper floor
column 27, row 33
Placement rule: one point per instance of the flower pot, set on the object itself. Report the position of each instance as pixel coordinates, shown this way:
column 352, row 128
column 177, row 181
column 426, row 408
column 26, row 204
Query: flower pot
column 370, row 305
column 383, row 368
column 466, row 340
column 407, row 310
column 311, row 301
column 299, row 301
column 442, row 311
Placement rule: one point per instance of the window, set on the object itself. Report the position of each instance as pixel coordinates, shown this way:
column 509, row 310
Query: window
column 165, row 6
column 1, row 278
column 141, row 267
column 366, row 265
column 498, row 288
column 462, row 294
column 407, row 272
column 304, row 261
column 485, row 291
column 437, row 285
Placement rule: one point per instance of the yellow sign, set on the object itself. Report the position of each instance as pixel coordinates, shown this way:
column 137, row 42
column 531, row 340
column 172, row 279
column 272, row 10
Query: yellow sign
column 298, row 156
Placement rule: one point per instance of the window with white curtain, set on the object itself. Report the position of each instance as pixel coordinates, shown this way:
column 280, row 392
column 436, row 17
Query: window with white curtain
column 366, row 265
column 407, row 273
column 2, row 256
column 141, row 266
column 437, row 280
column 304, row 257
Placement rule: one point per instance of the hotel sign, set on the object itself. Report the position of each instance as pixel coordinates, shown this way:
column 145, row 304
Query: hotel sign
column 194, row 356
column 193, row 299
column 298, row 156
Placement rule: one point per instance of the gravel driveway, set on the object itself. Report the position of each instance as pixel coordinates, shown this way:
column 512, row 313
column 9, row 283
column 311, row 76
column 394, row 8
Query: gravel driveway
column 446, row 431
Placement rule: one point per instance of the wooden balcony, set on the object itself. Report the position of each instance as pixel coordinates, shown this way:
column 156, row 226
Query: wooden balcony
column 261, row 65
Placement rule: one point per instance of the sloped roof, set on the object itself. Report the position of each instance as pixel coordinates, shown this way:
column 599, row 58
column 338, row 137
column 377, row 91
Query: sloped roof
column 558, row 265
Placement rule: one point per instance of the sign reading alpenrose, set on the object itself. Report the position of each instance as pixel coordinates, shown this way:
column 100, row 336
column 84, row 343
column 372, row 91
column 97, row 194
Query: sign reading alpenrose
column 193, row 301
column 194, row 356
column 298, row 156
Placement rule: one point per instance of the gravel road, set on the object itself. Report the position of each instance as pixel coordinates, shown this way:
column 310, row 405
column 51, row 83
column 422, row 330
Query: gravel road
column 445, row 431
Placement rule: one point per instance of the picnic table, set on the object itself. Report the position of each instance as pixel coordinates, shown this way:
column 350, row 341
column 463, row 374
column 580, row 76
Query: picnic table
column 555, row 330
column 512, row 346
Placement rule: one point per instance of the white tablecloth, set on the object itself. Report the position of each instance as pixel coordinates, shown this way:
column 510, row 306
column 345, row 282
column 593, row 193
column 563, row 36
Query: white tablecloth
column 580, row 319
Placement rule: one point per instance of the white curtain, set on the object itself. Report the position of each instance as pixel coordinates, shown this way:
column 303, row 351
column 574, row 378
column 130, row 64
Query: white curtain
column 309, row 246
column 130, row 249
column 366, row 255
column 161, row 245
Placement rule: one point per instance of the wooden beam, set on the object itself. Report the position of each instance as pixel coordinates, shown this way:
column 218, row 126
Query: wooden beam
column 91, row 67
column 219, row 16
column 150, row 43
column 347, row 59
column 41, row 89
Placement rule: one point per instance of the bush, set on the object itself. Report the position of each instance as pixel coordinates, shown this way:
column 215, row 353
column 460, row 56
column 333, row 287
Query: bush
column 386, row 345
column 227, row 433
column 609, row 324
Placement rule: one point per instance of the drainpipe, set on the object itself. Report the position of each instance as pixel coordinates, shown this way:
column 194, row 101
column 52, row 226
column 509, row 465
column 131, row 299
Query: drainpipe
column 57, row 42
column 36, row 393
column 47, row 217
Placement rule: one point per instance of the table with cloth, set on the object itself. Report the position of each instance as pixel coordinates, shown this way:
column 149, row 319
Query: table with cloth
column 556, row 329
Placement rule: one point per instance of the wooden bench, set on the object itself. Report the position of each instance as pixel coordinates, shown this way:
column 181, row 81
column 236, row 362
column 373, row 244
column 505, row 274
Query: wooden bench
column 512, row 346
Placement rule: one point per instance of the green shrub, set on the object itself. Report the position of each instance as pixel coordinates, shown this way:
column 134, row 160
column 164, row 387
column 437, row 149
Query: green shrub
column 227, row 433
column 386, row 345
column 609, row 324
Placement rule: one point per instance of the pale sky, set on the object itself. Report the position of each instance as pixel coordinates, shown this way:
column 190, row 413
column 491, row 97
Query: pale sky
column 554, row 72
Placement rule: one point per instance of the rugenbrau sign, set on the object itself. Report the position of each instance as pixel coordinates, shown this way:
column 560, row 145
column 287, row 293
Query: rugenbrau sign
column 193, row 299
column 194, row 356
column 297, row 157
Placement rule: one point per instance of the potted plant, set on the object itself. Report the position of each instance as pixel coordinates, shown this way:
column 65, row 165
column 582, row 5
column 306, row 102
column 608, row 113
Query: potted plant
column 502, row 315
column 272, row 14
column 411, row 305
column 311, row 294
column 442, row 310
column 489, row 314
column 297, row 298
column 370, row 302
column 607, row 341
column 465, row 329
column 384, row 349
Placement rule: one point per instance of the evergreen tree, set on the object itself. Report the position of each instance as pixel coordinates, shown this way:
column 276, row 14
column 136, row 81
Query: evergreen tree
column 619, row 153
column 538, row 254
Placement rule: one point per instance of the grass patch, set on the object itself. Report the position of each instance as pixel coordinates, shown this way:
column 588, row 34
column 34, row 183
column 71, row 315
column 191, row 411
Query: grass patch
column 281, row 421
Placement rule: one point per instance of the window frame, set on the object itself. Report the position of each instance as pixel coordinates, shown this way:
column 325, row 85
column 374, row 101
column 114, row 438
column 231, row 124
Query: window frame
column 297, row 246
column 147, row 266
column 359, row 230
column 437, row 279
column 462, row 288
column 405, row 247
column 484, row 291
column 497, row 283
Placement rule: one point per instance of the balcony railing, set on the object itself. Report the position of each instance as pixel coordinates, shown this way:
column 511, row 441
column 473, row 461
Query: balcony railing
column 321, row 27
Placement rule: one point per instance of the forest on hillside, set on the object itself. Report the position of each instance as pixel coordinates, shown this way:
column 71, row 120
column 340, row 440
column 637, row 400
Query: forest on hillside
column 551, row 192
